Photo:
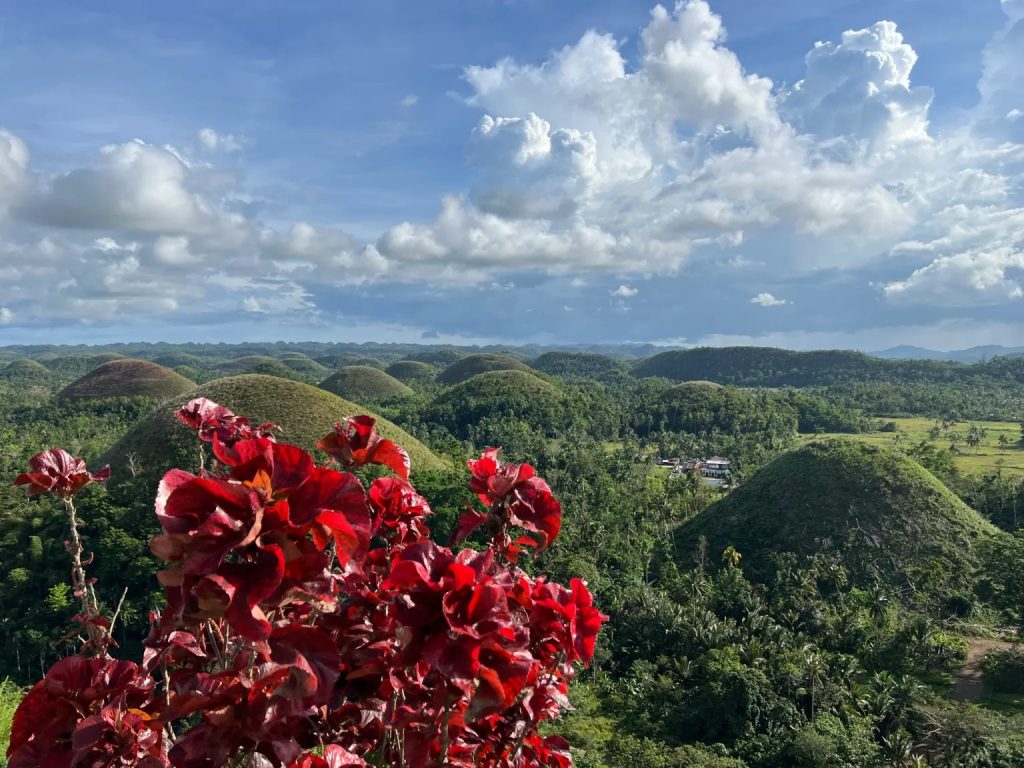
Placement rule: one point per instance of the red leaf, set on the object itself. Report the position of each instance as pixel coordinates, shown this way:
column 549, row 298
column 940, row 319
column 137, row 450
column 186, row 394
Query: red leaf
column 58, row 472
column 356, row 442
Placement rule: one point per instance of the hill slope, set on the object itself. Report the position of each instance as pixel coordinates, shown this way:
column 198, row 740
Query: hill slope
column 361, row 382
column 124, row 378
column 579, row 365
column 471, row 366
column 25, row 369
column 304, row 413
column 411, row 370
column 889, row 517
column 503, row 395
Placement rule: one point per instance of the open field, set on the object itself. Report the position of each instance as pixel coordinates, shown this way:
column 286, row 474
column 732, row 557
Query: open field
column 987, row 457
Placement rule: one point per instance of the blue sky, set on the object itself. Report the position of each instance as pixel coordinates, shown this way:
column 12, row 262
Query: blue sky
column 802, row 174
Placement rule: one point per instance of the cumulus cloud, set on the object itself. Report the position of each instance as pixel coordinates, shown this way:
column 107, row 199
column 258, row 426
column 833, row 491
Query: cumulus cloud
column 212, row 141
column 765, row 299
column 688, row 151
column 860, row 88
column 6, row 316
column 973, row 278
column 586, row 162
column 322, row 251
column 624, row 291
column 134, row 187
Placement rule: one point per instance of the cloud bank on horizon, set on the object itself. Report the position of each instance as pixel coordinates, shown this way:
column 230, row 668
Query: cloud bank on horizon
column 614, row 191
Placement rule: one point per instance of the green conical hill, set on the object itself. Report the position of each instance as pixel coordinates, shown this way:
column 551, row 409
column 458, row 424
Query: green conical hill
column 361, row 382
column 305, row 414
column 471, row 366
column 125, row 378
column 887, row 517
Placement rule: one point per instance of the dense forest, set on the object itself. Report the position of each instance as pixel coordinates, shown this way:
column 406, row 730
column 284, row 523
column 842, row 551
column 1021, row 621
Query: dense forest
column 812, row 611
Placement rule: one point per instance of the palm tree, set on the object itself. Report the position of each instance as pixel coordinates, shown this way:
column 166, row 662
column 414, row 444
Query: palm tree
column 815, row 672
column 731, row 557
column 879, row 605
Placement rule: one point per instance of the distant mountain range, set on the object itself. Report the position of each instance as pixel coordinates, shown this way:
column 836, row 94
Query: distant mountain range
column 972, row 355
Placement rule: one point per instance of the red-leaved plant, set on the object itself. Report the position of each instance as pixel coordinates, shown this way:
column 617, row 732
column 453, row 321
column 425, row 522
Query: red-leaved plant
column 310, row 622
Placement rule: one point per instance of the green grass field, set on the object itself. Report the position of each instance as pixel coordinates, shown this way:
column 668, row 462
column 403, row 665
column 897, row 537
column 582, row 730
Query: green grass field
column 987, row 457
column 10, row 696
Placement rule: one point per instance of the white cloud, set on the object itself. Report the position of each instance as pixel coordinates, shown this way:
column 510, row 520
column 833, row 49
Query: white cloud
column 765, row 299
column 860, row 88
column 6, row 316
column 323, row 251
column 174, row 252
column 1001, row 87
column 14, row 157
column 409, row 100
column 589, row 161
column 212, row 141
column 971, row 278
column 134, row 187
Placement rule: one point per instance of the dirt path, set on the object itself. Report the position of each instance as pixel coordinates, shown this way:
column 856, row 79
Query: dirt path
column 967, row 685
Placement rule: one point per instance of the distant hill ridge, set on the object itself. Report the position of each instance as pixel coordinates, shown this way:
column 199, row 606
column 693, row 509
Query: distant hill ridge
column 772, row 367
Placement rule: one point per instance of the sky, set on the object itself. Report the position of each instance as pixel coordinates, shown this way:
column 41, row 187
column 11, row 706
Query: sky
column 831, row 174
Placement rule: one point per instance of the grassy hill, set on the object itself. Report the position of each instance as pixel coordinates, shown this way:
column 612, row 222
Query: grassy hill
column 25, row 369
column 573, row 366
column 263, row 364
column 361, row 382
column 443, row 356
column 333, row 362
column 305, row 367
column 123, row 378
column 412, row 370
column 471, row 366
column 305, row 414
column 507, row 395
column 886, row 515
column 177, row 359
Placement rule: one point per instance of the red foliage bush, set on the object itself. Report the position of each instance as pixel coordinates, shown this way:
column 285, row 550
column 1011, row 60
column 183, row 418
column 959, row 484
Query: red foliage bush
column 311, row 622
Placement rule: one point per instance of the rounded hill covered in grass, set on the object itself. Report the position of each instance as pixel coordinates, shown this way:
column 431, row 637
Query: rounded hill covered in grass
column 263, row 364
column 304, row 413
column 442, row 356
column 361, row 382
column 501, row 395
column 304, row 366
column 177, row 359
column 485, row 362
column 884, row 515
column 128, row 378
column 333, row 362
column 573, row 366
column 411, row 370
column 25, row 369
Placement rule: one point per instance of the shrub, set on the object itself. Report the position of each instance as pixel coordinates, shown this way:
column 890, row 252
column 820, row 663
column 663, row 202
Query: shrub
column 1004, row 670
column 311, row 622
